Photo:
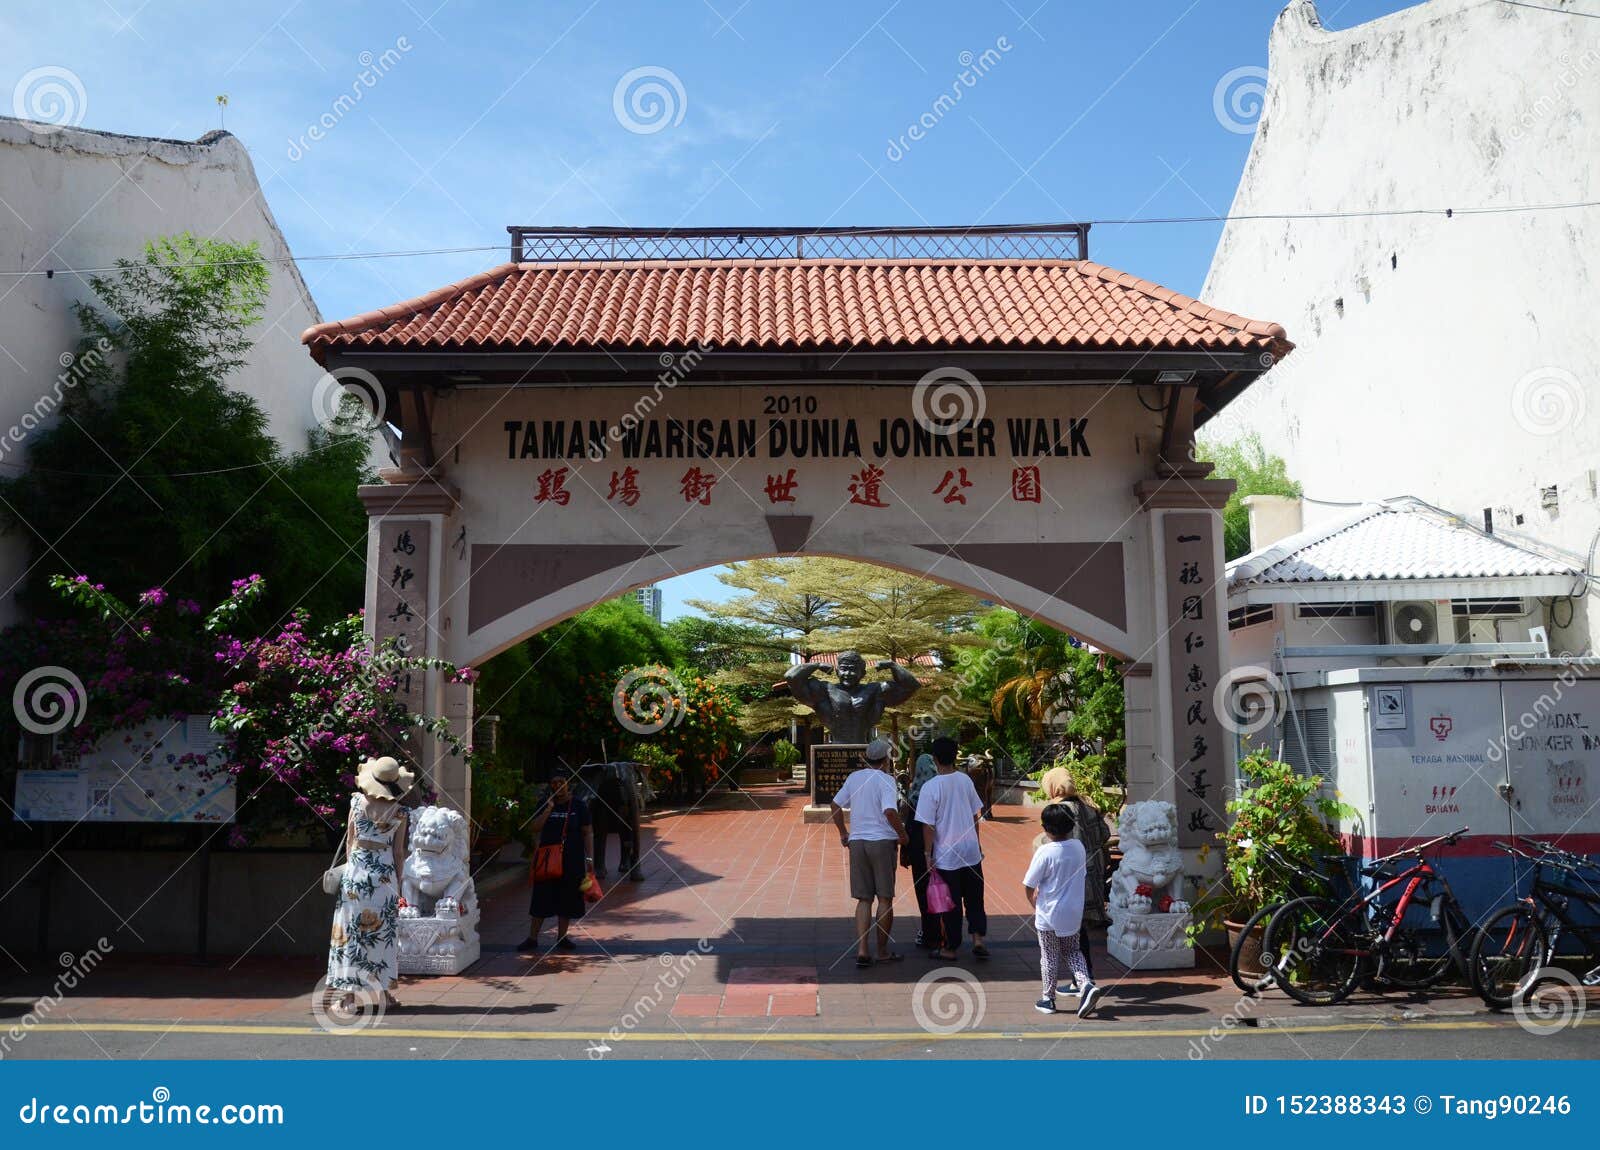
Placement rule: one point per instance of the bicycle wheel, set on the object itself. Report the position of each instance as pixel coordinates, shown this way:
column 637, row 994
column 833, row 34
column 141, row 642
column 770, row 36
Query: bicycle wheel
column 1314, row 955
column 1419, row 954
column 1507, row 950
column 1257, row 981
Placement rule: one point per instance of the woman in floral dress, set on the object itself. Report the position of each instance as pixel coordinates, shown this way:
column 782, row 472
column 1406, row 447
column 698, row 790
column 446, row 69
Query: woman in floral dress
column 363, row 952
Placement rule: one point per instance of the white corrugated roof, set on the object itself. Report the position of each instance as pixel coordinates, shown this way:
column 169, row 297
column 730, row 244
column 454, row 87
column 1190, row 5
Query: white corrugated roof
column 1400, row 539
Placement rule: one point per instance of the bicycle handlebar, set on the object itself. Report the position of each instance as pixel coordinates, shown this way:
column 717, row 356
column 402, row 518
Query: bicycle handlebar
column 1417, row 851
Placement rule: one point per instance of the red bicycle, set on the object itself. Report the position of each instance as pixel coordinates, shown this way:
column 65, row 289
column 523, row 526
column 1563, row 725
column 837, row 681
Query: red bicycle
column 1389, row 931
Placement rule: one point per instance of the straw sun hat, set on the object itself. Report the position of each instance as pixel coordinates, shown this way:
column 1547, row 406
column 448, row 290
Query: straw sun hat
column 384, row 779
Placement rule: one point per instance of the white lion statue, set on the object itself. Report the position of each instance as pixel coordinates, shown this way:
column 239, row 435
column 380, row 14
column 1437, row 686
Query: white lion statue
column 438, row 925
column 1150, row 878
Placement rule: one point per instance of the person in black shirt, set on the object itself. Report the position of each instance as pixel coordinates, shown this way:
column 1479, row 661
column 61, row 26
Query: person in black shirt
column 563, row 820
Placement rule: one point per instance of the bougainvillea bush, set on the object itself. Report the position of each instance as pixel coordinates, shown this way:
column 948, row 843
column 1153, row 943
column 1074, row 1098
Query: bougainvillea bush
column 297, row 711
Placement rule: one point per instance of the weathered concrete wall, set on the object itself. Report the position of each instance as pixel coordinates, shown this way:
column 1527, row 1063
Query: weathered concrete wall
column 1452, row 359
column 80, row 199
column 260, row 903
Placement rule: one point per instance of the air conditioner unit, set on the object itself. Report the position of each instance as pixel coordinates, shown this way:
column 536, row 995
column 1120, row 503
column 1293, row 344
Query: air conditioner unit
column 1412, row 622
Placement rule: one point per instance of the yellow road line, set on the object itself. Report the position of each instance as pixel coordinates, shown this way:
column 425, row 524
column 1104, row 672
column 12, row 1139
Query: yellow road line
column 823, row 1036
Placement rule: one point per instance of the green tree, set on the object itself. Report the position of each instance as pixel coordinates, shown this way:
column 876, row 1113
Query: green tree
column 1246, row 462
column 1040, row 687
column 157, row 474
column 539, row 686
column 781, row 613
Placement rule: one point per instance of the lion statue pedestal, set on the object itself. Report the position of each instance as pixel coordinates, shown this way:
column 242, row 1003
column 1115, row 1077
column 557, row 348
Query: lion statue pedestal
column 1148, row 914
column 439, row 923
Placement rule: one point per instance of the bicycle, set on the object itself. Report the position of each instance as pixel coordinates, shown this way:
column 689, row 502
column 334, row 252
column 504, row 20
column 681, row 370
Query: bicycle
column 1303, row 882
column 1318, row 950
column 1522, row 939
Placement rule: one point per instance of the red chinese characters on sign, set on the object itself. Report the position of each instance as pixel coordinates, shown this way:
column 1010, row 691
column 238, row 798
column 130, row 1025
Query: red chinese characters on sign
column 552, row 487
column 866, row 486
column 780, row 488
column 624, row 487
column 696, row 486
column 1025, row 485
column 952, row 486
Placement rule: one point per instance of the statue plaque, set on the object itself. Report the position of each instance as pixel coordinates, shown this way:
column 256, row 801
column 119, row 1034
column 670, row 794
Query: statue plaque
column 828, row 767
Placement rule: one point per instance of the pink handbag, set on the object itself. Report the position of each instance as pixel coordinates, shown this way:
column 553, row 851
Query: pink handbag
column 940, row 900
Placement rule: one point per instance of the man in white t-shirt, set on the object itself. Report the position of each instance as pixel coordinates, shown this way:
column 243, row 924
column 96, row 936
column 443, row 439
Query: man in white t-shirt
column 949, row 809
column 873, row 840
column 1054, row 886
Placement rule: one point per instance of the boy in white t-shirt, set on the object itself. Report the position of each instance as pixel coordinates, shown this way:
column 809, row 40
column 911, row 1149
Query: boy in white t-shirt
column 1054, row 886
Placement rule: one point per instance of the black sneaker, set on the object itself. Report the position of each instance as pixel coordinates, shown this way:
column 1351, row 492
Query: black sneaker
column 565, row 943
column 1088, row 1000
column 1045, row 1006
column 529, row 945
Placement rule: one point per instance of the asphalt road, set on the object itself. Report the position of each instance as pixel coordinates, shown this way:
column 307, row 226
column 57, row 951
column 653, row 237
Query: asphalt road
column 1455, row 1039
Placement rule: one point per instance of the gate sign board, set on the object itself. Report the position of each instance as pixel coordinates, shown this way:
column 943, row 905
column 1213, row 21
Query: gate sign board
column 830, row 764
column 402, row 611
column 1194, row 667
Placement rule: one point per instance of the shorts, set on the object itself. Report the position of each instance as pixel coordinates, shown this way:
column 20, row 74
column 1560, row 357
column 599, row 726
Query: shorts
column 872, row 867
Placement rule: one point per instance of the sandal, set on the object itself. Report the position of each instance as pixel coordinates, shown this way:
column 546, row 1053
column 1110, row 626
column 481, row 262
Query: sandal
column 944, row 955
column 892, row 956
column 980, row 951
column 863, row 961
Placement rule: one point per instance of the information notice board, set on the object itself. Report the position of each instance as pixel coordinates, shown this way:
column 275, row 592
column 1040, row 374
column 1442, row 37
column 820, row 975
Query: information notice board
column 830, row 764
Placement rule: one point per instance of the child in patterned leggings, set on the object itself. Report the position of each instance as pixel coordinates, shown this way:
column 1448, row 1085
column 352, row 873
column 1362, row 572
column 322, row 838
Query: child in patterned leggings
column 1054, row 886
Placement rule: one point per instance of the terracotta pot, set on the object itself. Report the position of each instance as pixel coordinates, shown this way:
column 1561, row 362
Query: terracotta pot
column 1250, row 953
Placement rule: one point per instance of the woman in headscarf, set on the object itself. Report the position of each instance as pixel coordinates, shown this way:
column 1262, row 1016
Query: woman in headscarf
column 1089, row 828
column 930, row 932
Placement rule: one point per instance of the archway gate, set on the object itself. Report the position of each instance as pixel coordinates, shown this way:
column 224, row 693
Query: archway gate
column 1018, row 425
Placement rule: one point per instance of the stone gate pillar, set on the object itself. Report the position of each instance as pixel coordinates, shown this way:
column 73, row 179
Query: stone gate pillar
column 408, row 528
column 1188, row 757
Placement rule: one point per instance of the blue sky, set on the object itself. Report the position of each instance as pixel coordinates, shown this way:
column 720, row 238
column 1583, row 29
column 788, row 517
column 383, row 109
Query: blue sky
column 491, row 112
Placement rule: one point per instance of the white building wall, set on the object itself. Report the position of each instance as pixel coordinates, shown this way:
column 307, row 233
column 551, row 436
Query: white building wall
column 81, row 199
column 1452, row 359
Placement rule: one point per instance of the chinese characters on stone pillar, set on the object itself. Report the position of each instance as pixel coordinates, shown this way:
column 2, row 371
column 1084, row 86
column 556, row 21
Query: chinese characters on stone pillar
column 402, row 607
column 1194, row 665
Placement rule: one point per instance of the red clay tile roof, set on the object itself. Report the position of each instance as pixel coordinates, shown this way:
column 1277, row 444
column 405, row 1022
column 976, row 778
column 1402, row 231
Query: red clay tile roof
column 778, row 305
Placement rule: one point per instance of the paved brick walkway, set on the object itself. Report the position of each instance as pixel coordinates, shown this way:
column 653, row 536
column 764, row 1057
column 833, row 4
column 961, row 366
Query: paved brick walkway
column 741, row 923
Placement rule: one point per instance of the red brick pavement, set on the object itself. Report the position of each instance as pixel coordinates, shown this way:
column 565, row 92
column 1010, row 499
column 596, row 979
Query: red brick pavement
column 742, row 920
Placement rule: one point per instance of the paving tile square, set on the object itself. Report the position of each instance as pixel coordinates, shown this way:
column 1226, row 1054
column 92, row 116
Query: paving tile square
column 697, row 1006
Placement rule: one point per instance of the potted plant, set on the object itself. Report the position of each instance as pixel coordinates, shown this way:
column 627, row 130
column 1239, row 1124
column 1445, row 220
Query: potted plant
column 1278, row 810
